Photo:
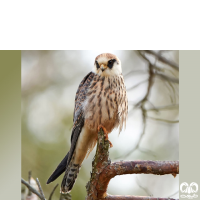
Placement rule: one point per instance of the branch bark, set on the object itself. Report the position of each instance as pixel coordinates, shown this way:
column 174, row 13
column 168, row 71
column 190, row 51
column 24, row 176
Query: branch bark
column 129, row 197
column 40, row 193
column 103, row 171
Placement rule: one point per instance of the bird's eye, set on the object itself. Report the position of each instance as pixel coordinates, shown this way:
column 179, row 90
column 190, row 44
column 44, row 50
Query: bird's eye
column 97, row 64
column 110, row 63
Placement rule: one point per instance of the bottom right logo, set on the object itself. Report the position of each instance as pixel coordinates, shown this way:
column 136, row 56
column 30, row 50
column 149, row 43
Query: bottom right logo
column 189, row 190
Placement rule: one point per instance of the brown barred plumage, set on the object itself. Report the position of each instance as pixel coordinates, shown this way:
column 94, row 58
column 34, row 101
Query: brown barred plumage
column 105, row 109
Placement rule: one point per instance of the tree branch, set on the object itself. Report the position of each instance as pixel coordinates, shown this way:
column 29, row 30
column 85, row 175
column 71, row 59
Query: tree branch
column 32, row 189
column 167, row 78
column 163, row 59
column 100, row 161
column 168, row 107
column 103, row 171
column 133, row 87
column 134, row 72
column 53, row 191
column 164, row 120
column 136, row 167
column 40, row 188
column 29, row 181
column 152, row 70
column 130, row 197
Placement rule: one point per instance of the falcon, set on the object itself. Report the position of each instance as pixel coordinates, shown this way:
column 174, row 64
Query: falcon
column 100, row 101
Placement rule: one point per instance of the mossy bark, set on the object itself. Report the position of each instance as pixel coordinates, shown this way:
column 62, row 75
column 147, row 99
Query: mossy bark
column 100, row 161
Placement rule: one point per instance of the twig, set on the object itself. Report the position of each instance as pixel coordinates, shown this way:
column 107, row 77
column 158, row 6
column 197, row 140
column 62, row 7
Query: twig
column 170, row 87
column 163, row 59
column 164, row 120
column 167, row 78
column 168, row 107
column 134, row 72
column 53, row 191
column 171, row 71
column 173, row 88
column 29, row 181
column 153, row 106
column 145, row 189
column 40, row 188
column 147, row 151
column 141, row 103
column 32, row 189
column 137, row 85
column 141, row 55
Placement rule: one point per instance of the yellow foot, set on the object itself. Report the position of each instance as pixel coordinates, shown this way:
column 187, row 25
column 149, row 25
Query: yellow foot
column 111, row 145
column 105, row 134
column 104, row 129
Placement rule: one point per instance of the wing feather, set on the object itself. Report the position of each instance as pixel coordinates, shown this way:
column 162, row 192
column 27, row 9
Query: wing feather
column 81, row 91
column 78, row 117
column 78, row 120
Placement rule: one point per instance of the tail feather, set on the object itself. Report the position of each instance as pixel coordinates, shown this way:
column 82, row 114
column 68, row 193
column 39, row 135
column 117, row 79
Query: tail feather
column 59, row 170
column 70, row 177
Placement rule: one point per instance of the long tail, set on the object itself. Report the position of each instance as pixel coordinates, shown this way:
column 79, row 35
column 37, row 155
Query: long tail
column 59, row 170
column 70, row 176
column 71, row 172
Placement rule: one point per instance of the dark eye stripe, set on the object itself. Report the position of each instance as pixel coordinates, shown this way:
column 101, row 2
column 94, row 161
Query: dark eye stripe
column 110, row 63
column 97, row 64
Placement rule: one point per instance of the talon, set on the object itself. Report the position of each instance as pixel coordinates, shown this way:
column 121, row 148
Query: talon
column 104, row 129
column 105, row 134
column 111, row 145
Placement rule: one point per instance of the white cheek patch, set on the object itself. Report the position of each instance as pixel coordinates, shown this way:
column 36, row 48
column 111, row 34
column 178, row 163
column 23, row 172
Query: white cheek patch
column 115, row 71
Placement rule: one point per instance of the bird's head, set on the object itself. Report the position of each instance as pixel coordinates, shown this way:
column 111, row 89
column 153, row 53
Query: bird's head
column 107, row 64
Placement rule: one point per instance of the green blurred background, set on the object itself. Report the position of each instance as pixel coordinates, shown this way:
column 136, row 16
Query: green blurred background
column 49, row 83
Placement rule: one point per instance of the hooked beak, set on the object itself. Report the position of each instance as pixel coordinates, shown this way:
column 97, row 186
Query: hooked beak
column 103, row 67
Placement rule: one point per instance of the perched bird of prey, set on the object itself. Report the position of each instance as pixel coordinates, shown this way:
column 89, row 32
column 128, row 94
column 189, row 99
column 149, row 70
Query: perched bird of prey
column 100, row 101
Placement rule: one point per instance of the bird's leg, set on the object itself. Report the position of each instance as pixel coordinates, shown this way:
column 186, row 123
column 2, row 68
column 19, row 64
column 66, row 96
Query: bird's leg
column 105, row 134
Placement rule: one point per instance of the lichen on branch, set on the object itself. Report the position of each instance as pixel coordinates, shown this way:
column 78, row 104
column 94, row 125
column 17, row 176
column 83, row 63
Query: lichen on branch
column 100, row 161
